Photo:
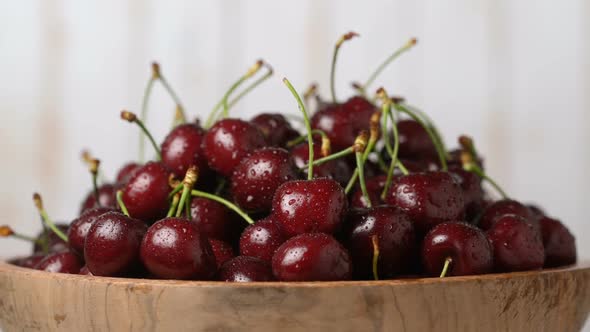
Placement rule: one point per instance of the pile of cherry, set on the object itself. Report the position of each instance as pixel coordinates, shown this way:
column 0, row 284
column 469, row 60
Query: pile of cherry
column 367, row 191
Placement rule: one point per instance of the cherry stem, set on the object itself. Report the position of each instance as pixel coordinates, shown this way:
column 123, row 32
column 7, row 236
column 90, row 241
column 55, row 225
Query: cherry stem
column 442, row 155
column 173, row 95
column 339, row 43
column 121, row 203
column 173, row 205
column 445, row 269
column 430, row 123
column 466, row 144
column 375, row 241
column 39, row 205
column 310, row 92
column 307, row 127
column 253, row 86
column 227, row 203
column 387, row 61
column 303, row 138
column 334, row 156
column 93, row 165
column 6, row 231
column 474, row 168
column 131, row 117
column 189, row 181
column 179, row 116
column 374, row 136
column 144, row 108
column 176, row 190
column 360, row 166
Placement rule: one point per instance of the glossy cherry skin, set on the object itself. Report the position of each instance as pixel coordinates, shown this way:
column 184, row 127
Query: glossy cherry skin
column 112, row 244
column 338, row 170
column 276, row 129
column 126, row 172
column 80, row 226
column 311, row 257
column 374, row 186
column 464, row 243
column 396, row 240
column 428, row 198
column 174, row 248
column 54, row 242
column 61, row 262
column 261, row 239
column 559, row 243
column 106, row 197
column 470, row 184
column 309, row 206
column 146, row 193
column 213, row 219
column 222, row 251
column 500, row 208
column 517, row 244
column 414, row 142
column 182, row 149
column 245, row 269
column 29, row 261
column 228, row 141
column 258, row 176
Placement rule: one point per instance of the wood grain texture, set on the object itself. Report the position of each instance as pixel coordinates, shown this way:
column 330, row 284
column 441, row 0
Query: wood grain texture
column 550, row 300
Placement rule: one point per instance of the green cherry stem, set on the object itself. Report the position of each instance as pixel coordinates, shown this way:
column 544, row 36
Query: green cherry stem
column 253, row 86
column 189, row 181
column 303, row 138
column 375, row 242
column 93, row 165
column 173, row 205
column 387, row 61
column 445, row 269
column 131, row 117
column 171, row 92
column 360, row 166
column 333, row 156
column 6, row 231
column 227, row 203
column 429, row 122
column 121, row 203
column 50, row 224
column 373, row 137
column 471, row 166
column 144, row 106
column 341, row 40
column 177, row 189
column 307, row 127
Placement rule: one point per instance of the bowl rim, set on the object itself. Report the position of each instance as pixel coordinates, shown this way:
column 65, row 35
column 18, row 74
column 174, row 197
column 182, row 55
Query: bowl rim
column 6, row 268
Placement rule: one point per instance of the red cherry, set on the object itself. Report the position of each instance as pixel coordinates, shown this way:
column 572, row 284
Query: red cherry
column 126, row 172
column 261, row 239
column 213, row 219
column 29, row 262
column 182, row 148
column 245, row 269
column 560, row 244
column 414, row 142
column 275, row 128
column 473, row 194
column 311, row 257
column 338, row 169
column 228, row 141
column 465, row 244
column 80, row 226
column 146, row 193
column 61, row 262
column 258, row 176
column 222, row 251
column 106, row 197
column 308, row 206
column 54, row 242
column 375, row 186
column 174, row 248
column 500, row 208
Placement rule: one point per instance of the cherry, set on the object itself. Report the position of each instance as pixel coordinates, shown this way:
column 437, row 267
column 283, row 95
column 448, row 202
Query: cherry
column 146, row 193
column 375, row 186
column 245, row 269
column 106, row 198
column 500, row 208
column 560, row 244
column 29, row 261
column 80, row 226
column 222, row 251
column 258, row 176
column 517, row 244
column 212, row 218
column 275, row 128
column 311, row 257
column 308, row 206
column 182, row 148
column 414, row 141
column 228, row 141
column 428, row 198
column 463, row 247
column 61, row 262
column 473, row 194
column 112, row 244
column 261, row 239
column 396, row 241
column 126, row 172
column 174, row 248
column 53, row 241
column 537, row 211
column 337, row 169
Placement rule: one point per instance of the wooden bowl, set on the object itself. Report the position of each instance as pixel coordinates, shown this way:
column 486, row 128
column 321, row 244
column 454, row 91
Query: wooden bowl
column 548, row 300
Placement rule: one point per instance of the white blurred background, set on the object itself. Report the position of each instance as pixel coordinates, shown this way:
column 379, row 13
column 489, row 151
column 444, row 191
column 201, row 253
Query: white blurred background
column 513, row 74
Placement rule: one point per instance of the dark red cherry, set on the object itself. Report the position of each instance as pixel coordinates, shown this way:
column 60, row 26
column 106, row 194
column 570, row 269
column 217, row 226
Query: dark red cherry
column 428, row 198
column 374, row 186
column 465, row 244
column 560, row 244
column 309, row 206
column 182, row 148
column 276, row 129
column 126, row 172
column 472, row 192
column 537, row 211
column 29, row 262
column 174, row 248
column 112, row 244
column 517, row 244
column 146, row 193
column 500, row 208
column 228, row 141
column 106, row 197
column 222, row 251
column 261, row 239
column 213, row 219
column 61, row 262
column 414, row 142
column 245, row 269
column 396, row 241
column 54, row 242
column 311, row 257
column 80, row 226
column 338, row 169
column 258, row 176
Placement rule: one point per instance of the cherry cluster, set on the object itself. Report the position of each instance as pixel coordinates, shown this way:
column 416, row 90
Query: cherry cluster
column 369, row 191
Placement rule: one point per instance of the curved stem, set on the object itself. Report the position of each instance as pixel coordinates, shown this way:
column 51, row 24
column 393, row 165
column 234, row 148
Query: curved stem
column 394, row 160
column 181, row 204
column 387, row 61
column 227, row 203
column 361, row 167
column 342, row 39
column 150, row 137
column 251, row 87
column 176, row 190
column 375, row 242
column 121, row 203
column 303, row 138
column 445, row 269
column 50, row 224
column 143, row 115
column 334, row 156
column 472, row 167
column 307, row 127
column 173, row 205
column 430, row 123
column 229, row 92
column 370, row 146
